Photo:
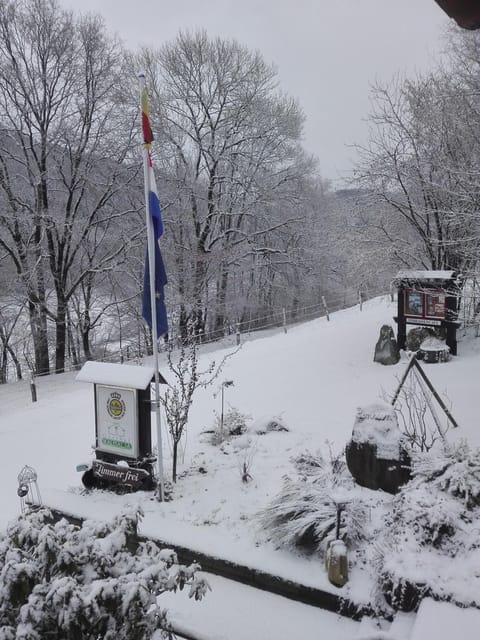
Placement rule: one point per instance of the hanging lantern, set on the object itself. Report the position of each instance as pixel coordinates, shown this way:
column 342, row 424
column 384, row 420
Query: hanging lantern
column 28, row 490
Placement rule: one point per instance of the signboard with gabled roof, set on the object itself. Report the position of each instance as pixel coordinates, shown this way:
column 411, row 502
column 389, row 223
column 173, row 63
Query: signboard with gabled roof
column 122, row 423
column 428, row 299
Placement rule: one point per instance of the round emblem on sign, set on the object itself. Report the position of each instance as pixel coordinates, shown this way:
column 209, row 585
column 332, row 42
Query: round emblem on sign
column 116, row 406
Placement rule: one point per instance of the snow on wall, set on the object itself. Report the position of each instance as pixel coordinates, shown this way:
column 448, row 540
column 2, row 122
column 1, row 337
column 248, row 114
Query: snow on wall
column 444, row 621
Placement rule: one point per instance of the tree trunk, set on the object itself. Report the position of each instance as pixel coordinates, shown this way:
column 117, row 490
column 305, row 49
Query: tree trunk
column 183, row 324
column 61, row 334
column 85, row 328
column 38, row 325
column 85, row 332
column 198, row 317
column 148, row 341
column 221, row 305
column 3, row 366
column 174, row 460
column 72, row 350
column 15, row 361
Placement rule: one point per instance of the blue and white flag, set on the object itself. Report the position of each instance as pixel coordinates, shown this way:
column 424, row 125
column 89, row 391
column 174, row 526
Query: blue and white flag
column 157, row 225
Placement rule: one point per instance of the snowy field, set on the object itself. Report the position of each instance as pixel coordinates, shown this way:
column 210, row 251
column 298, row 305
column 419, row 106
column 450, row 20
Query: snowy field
column 312, row 379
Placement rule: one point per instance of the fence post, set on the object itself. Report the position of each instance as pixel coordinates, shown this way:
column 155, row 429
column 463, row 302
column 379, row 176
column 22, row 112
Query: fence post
column 33, row 388
column 326, row 308
column 284, row 320
column 360, row 299
column 238, row 333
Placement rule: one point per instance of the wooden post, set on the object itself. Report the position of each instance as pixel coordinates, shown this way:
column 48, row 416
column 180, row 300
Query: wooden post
column 33, row 388
column 414, row 363
column 402, row 381
column 238, row 333
column 435, row 394
column 401, row 320
column 340, row 508
column 360, row 299
column 326, row 308
column 284, row 320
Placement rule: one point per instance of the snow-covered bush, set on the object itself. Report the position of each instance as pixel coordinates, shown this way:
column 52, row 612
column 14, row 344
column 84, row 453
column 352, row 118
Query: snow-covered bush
column 424, row 516
column 304, row 513
column 430, row 539
column 332, row 466
column 454, row 469
column 264, row 425
column 58, row 580
column 232, row 423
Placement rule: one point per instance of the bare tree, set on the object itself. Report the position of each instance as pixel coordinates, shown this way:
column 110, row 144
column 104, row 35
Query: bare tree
column 422, row 163
column 63, row 146
column 187, row 379
column 234, row 165
column 10, row 313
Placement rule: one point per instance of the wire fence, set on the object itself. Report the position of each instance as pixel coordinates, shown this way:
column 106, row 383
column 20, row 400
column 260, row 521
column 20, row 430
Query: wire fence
column 284, row 317
column 133, row 349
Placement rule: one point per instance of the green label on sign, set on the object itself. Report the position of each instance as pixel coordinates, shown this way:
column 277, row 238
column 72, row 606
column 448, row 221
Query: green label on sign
column 116, row 443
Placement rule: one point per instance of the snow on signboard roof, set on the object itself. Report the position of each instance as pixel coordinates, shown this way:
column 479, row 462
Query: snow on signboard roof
column 118, row 375
column 416, row 274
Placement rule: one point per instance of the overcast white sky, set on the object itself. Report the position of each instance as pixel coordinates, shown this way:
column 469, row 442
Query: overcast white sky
column 327, row 52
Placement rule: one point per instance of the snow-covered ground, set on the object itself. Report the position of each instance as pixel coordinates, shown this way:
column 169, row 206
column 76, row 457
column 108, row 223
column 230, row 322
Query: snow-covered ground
column 312, row 379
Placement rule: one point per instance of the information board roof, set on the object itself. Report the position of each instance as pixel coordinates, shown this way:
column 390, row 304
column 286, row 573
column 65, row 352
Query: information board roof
column 424, row 275
column 117, row 375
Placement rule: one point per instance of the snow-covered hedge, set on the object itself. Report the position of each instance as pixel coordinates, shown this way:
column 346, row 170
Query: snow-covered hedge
column 431, row 533
column 58, row 580
column 423, row 540
column 454, row 470
column 234, row 423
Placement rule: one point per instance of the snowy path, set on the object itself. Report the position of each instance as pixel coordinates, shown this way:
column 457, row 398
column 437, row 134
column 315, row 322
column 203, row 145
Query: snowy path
column 232, row 611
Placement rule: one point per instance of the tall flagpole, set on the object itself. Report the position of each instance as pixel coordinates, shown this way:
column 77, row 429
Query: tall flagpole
column 151, row 267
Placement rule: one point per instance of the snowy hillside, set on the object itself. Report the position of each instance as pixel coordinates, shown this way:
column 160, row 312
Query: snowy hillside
column 311, row 379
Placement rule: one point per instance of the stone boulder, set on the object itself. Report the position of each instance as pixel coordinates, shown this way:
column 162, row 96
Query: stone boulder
column 386, row 349
column 376, row 455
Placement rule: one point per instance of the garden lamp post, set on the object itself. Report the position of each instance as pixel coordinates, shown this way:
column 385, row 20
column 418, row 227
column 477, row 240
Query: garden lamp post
column 225, row 383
